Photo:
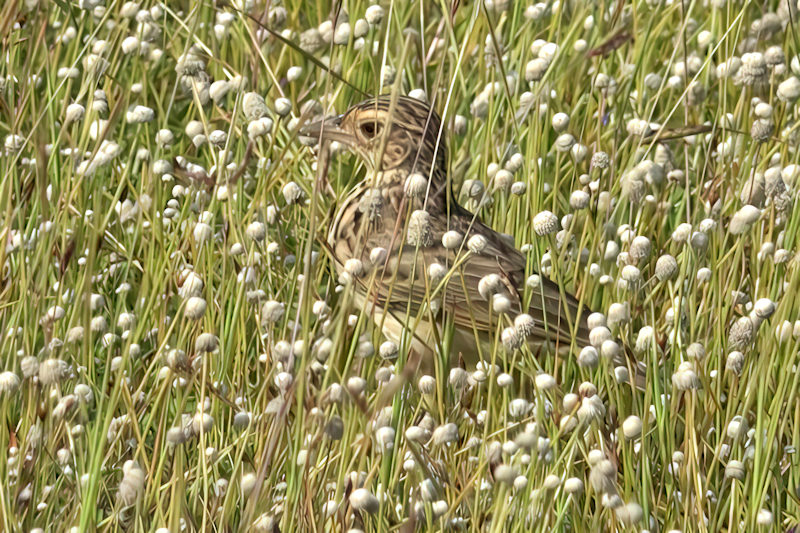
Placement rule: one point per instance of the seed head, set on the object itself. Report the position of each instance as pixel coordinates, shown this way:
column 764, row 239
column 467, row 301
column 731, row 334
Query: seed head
column 30, row 366
column 9, row 383
column 579, row 200
column 789, row 89
column 573, row 486
column 452, row 239
column 764, row 308
column 74, row 113
column 666, row 267
column 374, row 14
column 737, row 428
column 753, row 70
column 545, row 382
column 545, row 223
column 735, row 470
column 762, row 129
column 564, row 142
column 53, row 371
column 600, row 160
column 591, row 409
column 629, row 514
column 254, row 106
column 132, row 484
column 685, row 377
column 632, row 427
column 419, row 229
column 416, row 185
column 640, row 249
column 206, row 343
column 271, row 312
column 256, row 231
column 603, row 477
column 292, row 192
column 735, row 362
column 445, row 434
column 741, row 333
column 195, row 308
column 512, row 341
column 525, row 325
column 588, row 357
column 477, row 244
column 765, row 518
column 427, row 384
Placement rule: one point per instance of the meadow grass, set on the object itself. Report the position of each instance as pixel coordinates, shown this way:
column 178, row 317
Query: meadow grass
column 178, row 351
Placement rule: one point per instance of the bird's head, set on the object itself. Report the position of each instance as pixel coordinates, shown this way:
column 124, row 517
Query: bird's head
column 406, row 136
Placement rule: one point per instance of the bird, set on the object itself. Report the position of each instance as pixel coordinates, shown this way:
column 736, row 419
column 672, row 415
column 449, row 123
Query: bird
column 417, row 259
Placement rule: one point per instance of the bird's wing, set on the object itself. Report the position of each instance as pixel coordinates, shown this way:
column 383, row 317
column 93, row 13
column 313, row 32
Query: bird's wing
column 403, row 286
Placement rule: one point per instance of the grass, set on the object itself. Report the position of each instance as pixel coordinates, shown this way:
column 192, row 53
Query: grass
column 110, row 233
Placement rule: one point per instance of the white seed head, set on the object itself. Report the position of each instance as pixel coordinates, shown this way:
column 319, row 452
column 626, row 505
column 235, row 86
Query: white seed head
column 735, row 470
column 741, row 333
column 452, row 239
column 416, row 185
column 632, row 427
column 53, row 371
column 256, row 231
column 737, row 428
column 292, row 192
column 588, row 357
column 640, row 248
column 764, row 308
column 9, row 382
column 525, row 325
column 139, row 114
column 545, row 223
column 477, row 244
column 74, row 113
column 789, row 89
column 195, row 308
column 426, row 384
column 685, row 378
column 564, row 142
column 765, row 518
column 631, row 274
column 591, row 409
column 545, row 382
column 573, row 486
column 29, row 366
column 502, row 180
column 384, row 438
column 419, row 229
column 629, row 514
column 132, row 484
column 445, row 434
column 505, row 380
column 560, row 122
column 603, row 477
column 254, row 106
column 206, row 343
column 271, row 312
column 744, row 218
column 511, row 340
column 579, row 200
column 363, row 500
column 735, row 362
column 666, row 267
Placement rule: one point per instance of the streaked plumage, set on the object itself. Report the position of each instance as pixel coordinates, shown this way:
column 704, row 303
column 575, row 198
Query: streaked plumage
column 397, row 140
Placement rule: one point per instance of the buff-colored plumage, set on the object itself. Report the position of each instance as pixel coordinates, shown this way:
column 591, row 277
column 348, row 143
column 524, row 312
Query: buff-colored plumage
column 398, row 139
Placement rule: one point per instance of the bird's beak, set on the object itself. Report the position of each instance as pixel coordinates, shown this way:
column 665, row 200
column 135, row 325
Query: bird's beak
column 327, row 129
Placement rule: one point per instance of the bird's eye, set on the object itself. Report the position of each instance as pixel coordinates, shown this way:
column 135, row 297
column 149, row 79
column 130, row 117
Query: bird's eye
column 370, row 128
